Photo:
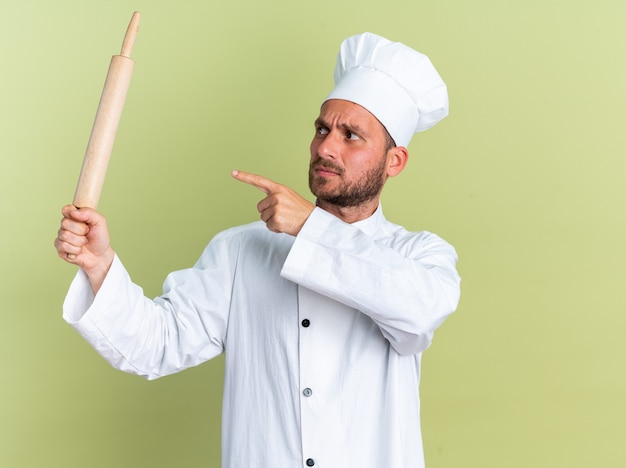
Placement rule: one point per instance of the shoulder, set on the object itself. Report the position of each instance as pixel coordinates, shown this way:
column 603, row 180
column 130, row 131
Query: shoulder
column 240, row 232
column 253, row 238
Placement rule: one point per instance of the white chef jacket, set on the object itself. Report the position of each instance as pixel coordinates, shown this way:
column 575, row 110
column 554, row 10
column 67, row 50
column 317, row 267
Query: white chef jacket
column 322, row 334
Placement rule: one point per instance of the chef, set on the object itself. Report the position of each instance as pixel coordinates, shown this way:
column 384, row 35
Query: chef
column 322, row 309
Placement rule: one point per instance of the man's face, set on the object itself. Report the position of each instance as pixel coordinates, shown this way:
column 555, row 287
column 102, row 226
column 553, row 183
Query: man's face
column 348, row 155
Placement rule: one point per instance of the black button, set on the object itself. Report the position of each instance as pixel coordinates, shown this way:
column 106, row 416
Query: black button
column 307, row 392
column 306, row 323
column 310, row 462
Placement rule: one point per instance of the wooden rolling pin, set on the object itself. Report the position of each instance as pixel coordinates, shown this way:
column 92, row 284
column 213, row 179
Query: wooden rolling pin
column 107, row 119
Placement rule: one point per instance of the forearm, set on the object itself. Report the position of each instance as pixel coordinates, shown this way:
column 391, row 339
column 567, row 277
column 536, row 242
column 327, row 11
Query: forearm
column 408, row 291
column 134, row 333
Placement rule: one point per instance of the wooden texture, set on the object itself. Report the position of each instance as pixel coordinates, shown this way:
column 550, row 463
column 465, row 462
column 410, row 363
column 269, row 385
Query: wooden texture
column 100, row 145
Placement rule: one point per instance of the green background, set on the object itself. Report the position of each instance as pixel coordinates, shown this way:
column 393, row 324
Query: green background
column 525, row 178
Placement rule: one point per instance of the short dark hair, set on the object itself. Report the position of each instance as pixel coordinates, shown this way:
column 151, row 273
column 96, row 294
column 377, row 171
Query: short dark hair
column 389, row 142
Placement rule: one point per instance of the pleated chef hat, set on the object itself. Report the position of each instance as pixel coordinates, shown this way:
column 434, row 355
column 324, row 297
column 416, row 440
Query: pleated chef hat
column 397, row 84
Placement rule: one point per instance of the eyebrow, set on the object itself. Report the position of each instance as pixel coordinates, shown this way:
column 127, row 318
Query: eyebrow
column 319, row 122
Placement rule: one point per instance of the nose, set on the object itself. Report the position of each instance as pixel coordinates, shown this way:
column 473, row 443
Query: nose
column 325, row 147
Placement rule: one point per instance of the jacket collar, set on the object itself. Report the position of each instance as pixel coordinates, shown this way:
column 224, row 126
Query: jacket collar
column 372, row 224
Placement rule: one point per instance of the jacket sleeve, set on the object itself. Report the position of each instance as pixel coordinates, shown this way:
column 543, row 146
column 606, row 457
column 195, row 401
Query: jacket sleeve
column 153, row 338
column 407, row 284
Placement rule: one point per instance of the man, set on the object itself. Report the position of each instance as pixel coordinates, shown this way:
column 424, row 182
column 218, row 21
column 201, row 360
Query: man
column 322, row 310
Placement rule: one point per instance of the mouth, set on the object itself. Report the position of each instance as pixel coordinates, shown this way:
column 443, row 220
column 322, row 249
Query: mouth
column 323, row 171
column 326, row 169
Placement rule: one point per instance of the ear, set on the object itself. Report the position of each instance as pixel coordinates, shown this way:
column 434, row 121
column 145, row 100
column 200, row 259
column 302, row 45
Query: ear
column 397, row 158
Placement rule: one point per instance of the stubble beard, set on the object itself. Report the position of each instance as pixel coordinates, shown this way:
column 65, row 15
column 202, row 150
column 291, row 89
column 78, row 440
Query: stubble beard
column 351, row 194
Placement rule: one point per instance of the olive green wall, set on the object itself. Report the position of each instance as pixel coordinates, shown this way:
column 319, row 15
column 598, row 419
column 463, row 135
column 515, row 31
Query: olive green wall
column 525, row 177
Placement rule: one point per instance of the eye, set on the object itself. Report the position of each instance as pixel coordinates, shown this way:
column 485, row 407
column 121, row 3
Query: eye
column 352, row 136
column 321, row 130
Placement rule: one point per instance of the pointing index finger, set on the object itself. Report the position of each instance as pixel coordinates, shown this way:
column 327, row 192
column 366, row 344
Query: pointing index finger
column 260, row 182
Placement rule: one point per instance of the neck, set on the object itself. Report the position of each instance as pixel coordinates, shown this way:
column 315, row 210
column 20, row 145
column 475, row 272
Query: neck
column 350, row 214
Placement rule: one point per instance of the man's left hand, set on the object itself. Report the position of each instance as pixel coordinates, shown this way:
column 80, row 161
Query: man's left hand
column 282, row 210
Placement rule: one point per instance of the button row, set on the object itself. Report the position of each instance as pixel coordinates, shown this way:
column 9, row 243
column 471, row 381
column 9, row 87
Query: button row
column 307, row 392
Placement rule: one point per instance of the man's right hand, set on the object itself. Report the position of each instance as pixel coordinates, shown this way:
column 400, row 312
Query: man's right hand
column 83, row 240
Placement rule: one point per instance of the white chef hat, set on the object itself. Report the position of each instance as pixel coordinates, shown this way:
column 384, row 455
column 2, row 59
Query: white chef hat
column 397, row 84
